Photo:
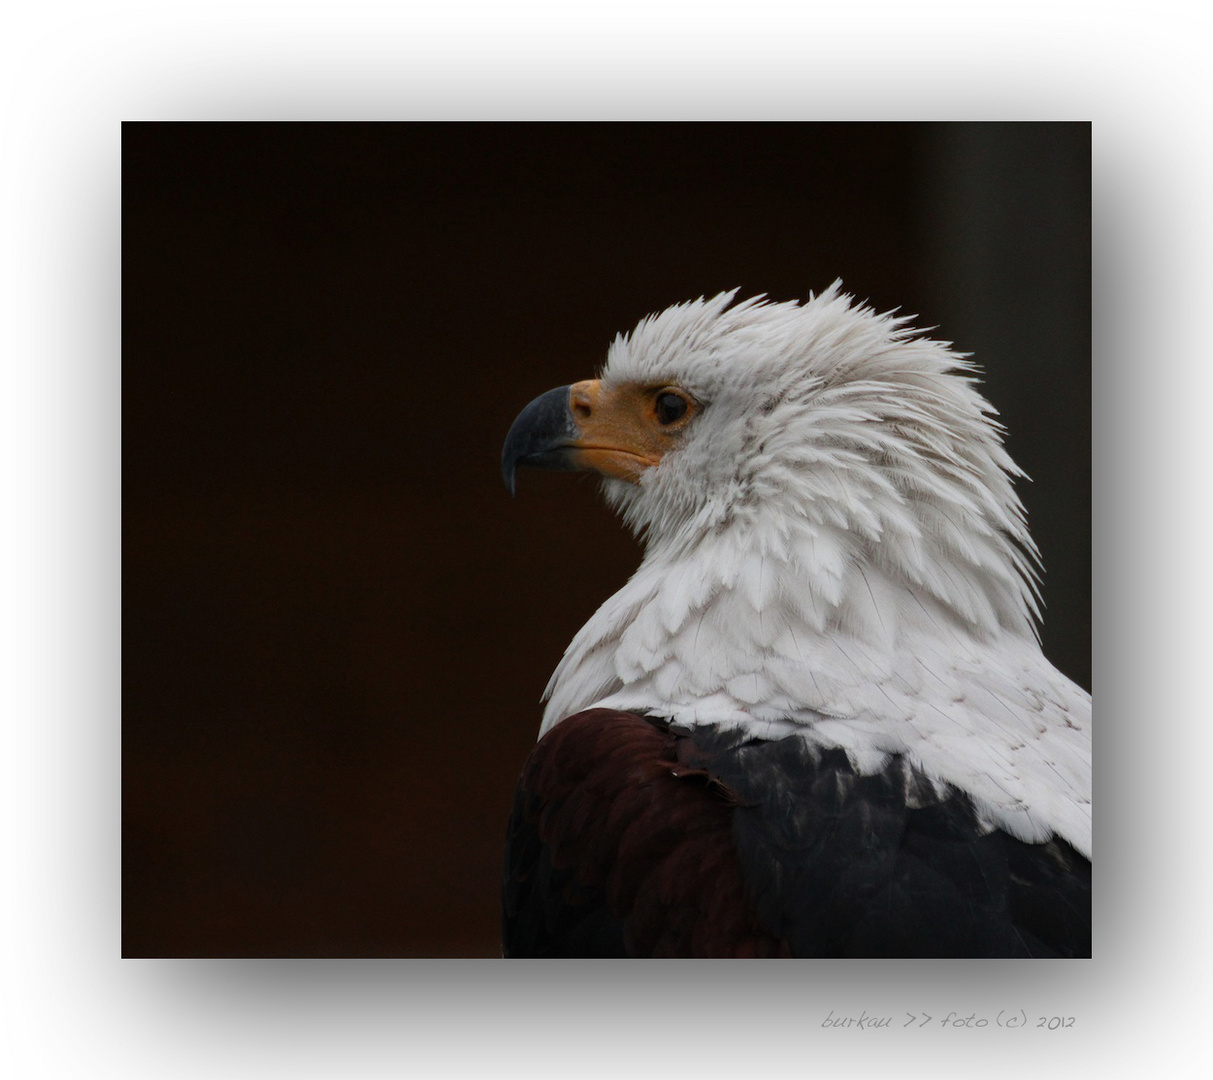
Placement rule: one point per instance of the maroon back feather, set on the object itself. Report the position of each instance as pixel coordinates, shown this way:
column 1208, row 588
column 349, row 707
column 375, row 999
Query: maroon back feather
column 621, row 825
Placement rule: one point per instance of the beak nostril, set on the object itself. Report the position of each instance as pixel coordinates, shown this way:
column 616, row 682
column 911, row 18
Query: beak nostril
column 580, row 404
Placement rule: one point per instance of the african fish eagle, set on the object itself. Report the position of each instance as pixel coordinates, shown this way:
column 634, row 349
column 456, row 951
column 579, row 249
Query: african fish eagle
column 817, row 721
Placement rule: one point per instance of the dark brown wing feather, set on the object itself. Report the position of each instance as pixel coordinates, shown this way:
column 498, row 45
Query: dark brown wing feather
column 630, row 837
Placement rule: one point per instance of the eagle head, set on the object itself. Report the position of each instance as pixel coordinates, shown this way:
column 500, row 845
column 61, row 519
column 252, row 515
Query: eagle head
column 823, row 437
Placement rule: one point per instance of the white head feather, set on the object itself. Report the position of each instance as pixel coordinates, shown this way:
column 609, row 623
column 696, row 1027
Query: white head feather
column 836, row 550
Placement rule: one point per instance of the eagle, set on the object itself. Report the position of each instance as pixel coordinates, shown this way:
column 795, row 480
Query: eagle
column 817, row 721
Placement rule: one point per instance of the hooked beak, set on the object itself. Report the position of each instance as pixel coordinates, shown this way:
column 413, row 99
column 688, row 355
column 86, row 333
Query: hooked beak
column 542, row 437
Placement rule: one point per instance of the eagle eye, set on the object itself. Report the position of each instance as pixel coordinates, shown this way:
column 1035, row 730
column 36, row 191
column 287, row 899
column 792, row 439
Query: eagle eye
column 670, row 407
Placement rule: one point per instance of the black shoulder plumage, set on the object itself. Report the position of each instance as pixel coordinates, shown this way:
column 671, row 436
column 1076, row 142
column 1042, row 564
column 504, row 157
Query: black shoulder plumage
column 630, row 837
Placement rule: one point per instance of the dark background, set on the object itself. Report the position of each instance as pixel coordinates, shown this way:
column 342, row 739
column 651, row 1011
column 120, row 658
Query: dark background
column 337, row 625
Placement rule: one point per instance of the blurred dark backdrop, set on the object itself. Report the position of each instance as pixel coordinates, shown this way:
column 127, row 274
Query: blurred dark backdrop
column 336, row 623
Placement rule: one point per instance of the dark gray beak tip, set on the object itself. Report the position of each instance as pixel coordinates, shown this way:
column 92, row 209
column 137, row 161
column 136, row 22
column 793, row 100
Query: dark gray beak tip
column 540, row 436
